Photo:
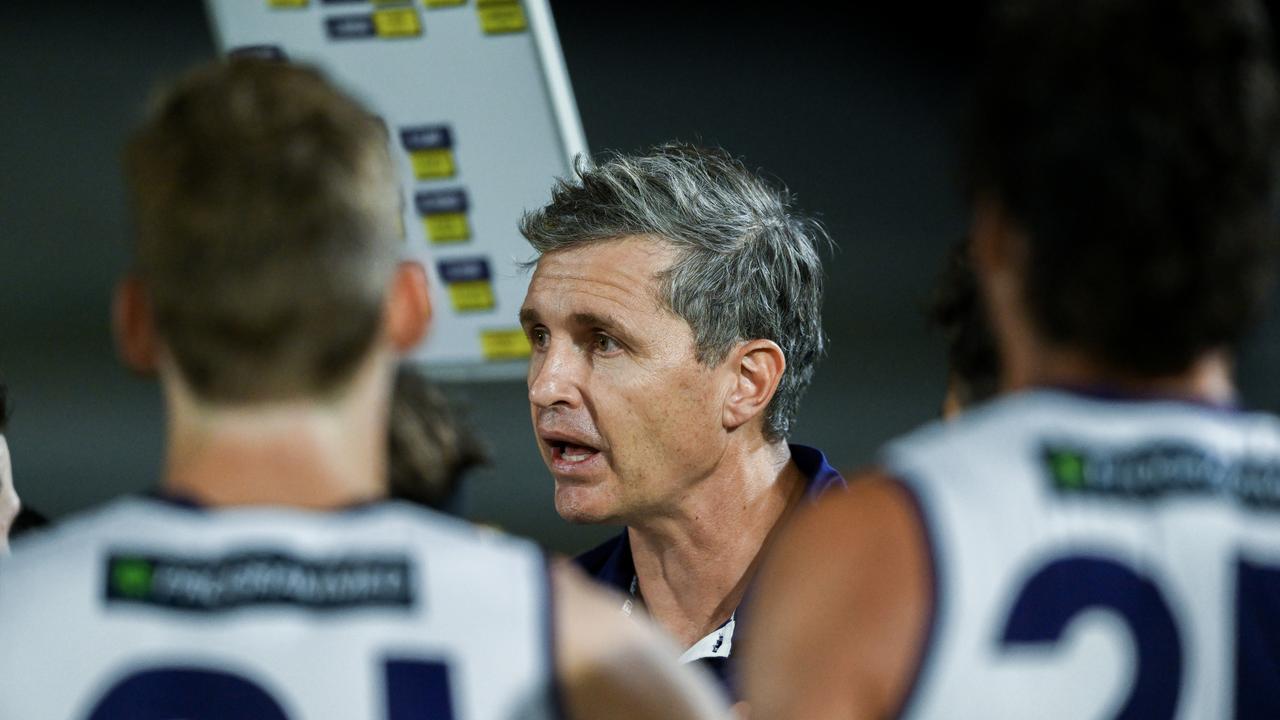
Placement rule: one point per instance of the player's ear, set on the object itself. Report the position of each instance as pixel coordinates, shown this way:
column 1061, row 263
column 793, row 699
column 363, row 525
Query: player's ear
column 408, row 309
column 133, row 325
column 758, row 366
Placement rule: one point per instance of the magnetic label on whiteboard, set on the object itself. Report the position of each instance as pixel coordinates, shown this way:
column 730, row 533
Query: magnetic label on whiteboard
column 432, row 164
column 472, row 296
column 350, row 27
column 464, row 270
column 501, row 17
column 397, row 22
column 447, row 227
column 261, row 52
column 432, row 202
column 504, row 344
column 426, row 137
column 444, row 215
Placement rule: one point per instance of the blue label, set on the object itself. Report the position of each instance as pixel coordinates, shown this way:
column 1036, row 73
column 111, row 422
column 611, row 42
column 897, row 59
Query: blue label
column 464, row 270
column 426, row 137
column 434, row 202
column 348, row 27
column 262, row 52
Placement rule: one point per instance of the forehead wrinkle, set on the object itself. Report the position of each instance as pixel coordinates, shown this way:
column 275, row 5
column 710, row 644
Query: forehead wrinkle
column 623, row 292
column 570, row 308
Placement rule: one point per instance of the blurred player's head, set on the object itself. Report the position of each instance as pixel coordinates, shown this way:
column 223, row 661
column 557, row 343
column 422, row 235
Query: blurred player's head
column 9, row 502
column 973, row 364
column 675, row 307
column 430, row 448
column 1122, row 169
column 268, row 235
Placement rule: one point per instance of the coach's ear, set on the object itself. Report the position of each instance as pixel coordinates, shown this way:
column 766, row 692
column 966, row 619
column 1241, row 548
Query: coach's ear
column 408, row 306
column 134, row 328
column 757, row 367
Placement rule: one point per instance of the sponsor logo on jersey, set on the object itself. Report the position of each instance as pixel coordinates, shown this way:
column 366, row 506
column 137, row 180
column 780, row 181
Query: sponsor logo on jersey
column 1159, row 470
column 245, row 579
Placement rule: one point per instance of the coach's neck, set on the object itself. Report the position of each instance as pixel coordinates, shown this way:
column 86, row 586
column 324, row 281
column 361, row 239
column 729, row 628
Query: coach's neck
column 694, row 561
column 309, row 453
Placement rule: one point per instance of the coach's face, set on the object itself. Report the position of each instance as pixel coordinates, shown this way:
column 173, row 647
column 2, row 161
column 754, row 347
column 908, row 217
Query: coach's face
column 626, row 417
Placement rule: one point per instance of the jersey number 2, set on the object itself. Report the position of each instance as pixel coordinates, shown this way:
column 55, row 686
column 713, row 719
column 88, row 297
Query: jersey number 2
column 416, row 690
column 1064, row 588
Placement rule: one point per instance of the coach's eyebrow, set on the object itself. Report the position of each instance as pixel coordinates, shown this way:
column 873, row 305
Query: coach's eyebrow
column 529, row 316
column 603, row 322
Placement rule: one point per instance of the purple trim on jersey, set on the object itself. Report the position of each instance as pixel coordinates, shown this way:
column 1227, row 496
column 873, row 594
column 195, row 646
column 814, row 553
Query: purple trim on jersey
column 611, row 562
column 178, row 501
column 186, row 502
column 559, row 707
column 1113, row 393
column 925, row 659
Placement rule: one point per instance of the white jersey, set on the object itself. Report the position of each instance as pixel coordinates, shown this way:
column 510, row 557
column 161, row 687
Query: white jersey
column 149, row 610
column 1099, row 558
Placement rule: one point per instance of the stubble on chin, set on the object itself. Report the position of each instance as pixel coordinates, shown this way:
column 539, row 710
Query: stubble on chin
column 581, row 506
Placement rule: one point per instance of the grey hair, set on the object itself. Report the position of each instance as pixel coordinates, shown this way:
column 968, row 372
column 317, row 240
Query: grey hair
column 747, row 264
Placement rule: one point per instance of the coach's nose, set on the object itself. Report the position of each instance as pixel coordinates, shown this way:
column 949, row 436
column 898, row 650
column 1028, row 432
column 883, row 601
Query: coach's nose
column 555, row 376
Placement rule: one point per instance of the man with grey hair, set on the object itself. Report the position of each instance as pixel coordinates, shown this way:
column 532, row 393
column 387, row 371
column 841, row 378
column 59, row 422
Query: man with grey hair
column 675, row 319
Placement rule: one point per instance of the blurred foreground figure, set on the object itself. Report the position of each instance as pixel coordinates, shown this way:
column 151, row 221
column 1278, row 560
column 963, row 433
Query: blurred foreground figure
column 10, row 503
column 1104, row 540
column 263, row 579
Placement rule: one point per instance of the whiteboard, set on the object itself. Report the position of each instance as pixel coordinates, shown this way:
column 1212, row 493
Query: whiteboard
column 482, row 120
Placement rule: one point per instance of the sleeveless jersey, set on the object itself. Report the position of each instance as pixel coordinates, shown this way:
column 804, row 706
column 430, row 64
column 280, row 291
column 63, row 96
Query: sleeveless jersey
column 147, row 610
column 1098, row 558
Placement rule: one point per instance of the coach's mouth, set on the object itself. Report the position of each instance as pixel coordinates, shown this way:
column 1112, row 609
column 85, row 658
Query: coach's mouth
column 571, row 454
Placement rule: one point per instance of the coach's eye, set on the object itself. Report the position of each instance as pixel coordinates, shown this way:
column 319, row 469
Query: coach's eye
column 539, row 337
column 604, row 344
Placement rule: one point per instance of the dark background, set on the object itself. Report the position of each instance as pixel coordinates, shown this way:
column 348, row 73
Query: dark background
column 855, row 110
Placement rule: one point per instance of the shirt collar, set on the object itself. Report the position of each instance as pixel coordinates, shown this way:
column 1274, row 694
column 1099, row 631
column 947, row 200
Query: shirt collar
column 611, row 562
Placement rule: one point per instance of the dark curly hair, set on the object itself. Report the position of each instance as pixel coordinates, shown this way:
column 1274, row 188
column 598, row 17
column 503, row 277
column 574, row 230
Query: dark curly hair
column 957, row 310
column 430, row 446
column 1135, row 143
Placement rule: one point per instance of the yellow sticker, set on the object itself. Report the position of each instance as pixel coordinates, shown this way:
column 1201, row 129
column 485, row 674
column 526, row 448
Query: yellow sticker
column 432, row 163
column 471, row 295
column 501, row 17
column 443, row 3
column 397, row 22
column 287, row 3
column 447, row 227
column 504, row 344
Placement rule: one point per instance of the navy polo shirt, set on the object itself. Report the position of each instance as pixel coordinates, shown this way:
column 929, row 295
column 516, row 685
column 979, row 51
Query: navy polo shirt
column 611, row 563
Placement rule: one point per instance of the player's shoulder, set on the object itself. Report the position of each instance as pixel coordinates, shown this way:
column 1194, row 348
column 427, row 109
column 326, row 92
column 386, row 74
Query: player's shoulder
column 144, row 522
column 996, row 421
column 444, row 534
column 1009, row 421
column 81, row 533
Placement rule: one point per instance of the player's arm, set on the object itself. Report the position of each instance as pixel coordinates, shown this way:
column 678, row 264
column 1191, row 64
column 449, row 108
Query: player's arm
column 841, row 610
column 614, row 667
